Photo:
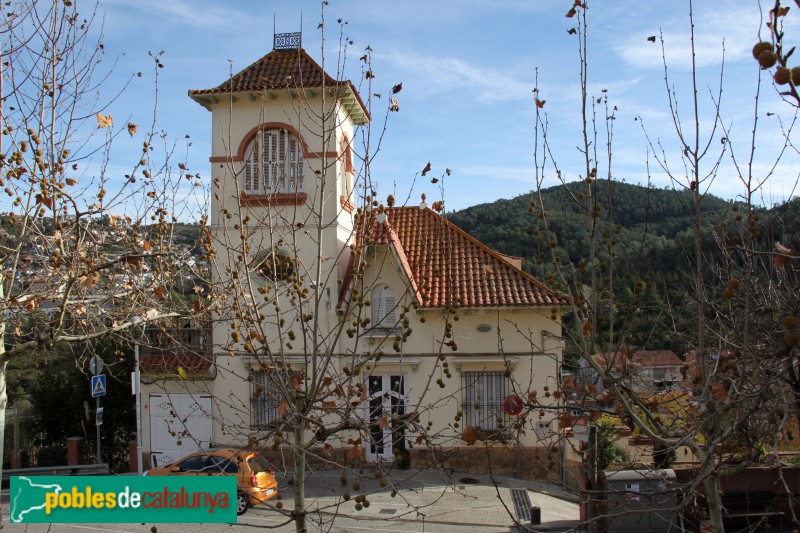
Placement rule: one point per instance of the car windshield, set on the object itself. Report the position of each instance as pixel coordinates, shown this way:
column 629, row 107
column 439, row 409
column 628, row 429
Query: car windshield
column 258, row 464
column 193, row 464
column 225, row 464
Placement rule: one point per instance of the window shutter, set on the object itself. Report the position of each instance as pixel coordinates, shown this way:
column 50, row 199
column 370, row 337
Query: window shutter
column 255, row 161
column 292, row 164
column 388, row 308
column 271, row 161
column 275, row 164
column 383, row 308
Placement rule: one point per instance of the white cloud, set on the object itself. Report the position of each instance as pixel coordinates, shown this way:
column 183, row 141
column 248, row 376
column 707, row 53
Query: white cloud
column 208, row 16
column 447, row 73
column 735, row 26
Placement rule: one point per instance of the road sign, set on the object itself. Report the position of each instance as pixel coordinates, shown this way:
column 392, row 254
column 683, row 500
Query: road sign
column 98, row 386
column 513, row 405
column 99, row 417
column 581, row 433
column 96, row 365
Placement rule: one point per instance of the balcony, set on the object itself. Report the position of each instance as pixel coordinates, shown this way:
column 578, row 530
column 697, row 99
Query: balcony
column 177, row 353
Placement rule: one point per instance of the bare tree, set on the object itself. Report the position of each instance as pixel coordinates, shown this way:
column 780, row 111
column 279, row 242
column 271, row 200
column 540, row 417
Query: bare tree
column 739, row 402
column 86, row 251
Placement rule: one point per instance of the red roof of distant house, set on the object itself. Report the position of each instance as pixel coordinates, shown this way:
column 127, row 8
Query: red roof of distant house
column 446, row 266
column 286, row 69
column 640, row 359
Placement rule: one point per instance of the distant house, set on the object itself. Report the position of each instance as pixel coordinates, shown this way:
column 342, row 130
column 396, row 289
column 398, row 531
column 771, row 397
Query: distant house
column 645, row 371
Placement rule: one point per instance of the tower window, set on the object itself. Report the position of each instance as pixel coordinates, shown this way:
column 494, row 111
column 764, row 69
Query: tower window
column 274, row 163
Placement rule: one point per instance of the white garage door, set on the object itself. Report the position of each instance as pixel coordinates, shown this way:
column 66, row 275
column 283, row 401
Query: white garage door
column 179, row 425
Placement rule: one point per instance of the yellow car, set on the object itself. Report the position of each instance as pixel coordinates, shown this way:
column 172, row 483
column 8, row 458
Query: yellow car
column 255, row 476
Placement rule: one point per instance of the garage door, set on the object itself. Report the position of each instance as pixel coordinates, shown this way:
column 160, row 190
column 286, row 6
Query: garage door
column 179, row 425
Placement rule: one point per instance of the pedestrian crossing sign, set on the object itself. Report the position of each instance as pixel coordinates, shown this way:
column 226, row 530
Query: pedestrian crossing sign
column 98, row 385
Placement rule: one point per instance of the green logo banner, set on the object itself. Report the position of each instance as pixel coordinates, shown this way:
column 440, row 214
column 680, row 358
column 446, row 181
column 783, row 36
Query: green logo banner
column 122, row 499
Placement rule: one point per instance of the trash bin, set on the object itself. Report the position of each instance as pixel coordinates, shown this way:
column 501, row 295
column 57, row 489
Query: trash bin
column 641, row 500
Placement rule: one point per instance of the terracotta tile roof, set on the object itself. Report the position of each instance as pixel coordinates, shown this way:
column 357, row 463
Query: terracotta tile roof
column 287, row 69
column 189, row 362
column 447, row 266
column 639, row 360
column 656, row 358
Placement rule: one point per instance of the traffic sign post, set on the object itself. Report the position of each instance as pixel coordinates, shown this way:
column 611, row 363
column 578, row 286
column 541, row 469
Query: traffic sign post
column 96, row 365
column 98, row 386
column 98, row 389
column 513, row 405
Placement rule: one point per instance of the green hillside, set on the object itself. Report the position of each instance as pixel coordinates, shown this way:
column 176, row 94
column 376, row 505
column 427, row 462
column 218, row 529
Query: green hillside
column 654, row 223
column 648, row 232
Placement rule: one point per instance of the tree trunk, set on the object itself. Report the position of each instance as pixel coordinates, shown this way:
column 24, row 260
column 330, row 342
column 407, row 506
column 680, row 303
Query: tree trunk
column 714, row 503
column 299, row 479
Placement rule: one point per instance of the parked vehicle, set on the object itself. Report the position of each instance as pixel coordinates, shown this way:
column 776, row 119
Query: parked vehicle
column 255, row 476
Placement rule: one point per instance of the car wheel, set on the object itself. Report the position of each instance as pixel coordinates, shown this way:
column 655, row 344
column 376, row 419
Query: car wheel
column 241, row 503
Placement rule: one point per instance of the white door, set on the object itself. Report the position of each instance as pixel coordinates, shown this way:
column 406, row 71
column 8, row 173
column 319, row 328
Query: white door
column 385, row 404
column 179, row 425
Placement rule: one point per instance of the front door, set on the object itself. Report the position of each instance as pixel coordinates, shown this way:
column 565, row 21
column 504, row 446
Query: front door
column 385, row 409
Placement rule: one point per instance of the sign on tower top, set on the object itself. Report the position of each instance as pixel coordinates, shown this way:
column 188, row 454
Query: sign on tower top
column 288, row 41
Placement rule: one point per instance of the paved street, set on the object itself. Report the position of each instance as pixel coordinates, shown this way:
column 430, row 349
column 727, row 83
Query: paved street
column 425, row 503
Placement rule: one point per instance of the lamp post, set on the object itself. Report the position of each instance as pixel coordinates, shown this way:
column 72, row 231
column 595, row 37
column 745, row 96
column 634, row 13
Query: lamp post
column 137, row 383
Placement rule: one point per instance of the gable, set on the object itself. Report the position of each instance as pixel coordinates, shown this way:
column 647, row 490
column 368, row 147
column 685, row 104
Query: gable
column 446, row 266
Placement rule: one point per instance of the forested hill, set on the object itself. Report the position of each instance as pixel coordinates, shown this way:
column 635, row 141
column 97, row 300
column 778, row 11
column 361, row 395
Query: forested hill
column 653, row 223
column 649, row 233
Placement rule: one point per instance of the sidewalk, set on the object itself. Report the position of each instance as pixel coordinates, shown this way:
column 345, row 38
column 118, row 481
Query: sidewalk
column 436, row 497
column 425, row 501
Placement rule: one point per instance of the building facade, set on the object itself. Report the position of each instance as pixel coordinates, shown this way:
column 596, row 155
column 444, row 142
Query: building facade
column 377, row 332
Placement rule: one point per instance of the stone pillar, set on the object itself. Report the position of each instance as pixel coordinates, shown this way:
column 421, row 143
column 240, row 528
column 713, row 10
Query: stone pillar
column 74, row 445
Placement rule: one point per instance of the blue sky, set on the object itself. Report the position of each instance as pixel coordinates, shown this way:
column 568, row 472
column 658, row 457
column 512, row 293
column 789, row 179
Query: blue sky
column 468, row 71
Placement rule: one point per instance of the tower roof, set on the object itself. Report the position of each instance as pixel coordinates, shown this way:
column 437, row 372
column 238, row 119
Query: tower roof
column 286, row 70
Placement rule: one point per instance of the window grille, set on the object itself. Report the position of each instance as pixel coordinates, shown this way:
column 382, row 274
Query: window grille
column 274, row 164
column 484, row 394
column 266, row 397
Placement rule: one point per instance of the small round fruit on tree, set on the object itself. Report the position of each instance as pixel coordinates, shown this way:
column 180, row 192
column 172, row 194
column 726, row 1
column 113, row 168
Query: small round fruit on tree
column 761, row 47
column 767, row 59
column 782, row 75
column 796, row 76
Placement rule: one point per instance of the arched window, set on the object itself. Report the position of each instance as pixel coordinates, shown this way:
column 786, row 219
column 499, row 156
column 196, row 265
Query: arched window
column 274, row 265
column 274, row 163
column 383, row 308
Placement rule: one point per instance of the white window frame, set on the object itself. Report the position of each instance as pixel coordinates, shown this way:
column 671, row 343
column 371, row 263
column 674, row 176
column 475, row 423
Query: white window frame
column 266, row 397
column 273, row 163
column 489, row 391
column 384, row 309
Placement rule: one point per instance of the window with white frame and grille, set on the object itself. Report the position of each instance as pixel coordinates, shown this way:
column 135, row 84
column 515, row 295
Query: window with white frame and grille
column 484, row 394
column 266, row 396
column 273, row 163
